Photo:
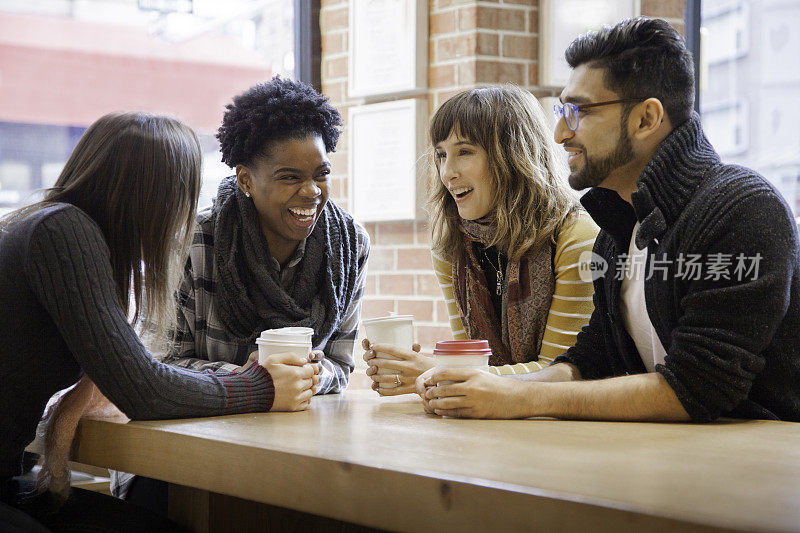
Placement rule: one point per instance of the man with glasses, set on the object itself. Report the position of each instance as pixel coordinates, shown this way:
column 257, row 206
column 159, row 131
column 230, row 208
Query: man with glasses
column 696, row 269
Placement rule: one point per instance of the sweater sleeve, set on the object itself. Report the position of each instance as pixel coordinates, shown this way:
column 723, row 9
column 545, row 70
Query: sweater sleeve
column 590, row 352
column 69, row 270
column 716, row 351
column 339, row 359
column 444, row 275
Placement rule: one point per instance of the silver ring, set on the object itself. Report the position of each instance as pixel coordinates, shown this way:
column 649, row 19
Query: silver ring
column 396, row 379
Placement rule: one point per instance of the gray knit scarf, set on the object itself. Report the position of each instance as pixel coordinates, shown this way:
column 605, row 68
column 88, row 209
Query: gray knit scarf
column 250, row 297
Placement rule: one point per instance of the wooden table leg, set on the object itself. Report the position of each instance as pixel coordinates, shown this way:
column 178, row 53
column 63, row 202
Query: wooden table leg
column 189, row 508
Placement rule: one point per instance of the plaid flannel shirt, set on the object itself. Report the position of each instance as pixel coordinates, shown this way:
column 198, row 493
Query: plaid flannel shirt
column 201, row 342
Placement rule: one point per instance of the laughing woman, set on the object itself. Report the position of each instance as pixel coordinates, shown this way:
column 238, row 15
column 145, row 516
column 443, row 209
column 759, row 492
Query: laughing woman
column 506, row 236
column 271, row 252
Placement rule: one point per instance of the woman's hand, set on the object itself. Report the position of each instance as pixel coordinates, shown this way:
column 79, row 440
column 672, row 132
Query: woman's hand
column 253, row 358
column 400, row 366
column 475, row 394
column 295, row 381
column 422, row 388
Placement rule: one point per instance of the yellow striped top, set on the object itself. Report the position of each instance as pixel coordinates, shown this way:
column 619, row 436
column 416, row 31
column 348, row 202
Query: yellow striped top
column 570, row 307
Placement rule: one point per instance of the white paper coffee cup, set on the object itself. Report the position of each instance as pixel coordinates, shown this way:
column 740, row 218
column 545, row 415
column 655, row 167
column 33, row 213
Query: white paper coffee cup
column 293, row 340
column 397, row 330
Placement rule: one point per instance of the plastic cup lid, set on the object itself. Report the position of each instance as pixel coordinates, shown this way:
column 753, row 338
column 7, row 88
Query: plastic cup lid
column 470, row 347
column 287, row 335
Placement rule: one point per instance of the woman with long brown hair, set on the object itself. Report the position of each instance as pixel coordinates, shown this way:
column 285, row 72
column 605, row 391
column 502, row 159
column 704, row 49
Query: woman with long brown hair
column 78, row 271
column 507, row 233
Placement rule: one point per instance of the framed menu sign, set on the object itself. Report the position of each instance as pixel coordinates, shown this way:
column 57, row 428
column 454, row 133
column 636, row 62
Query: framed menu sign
column 388, row 47
column 384, row 162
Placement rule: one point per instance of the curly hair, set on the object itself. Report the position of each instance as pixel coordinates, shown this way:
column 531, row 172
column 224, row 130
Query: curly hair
column 273, row 111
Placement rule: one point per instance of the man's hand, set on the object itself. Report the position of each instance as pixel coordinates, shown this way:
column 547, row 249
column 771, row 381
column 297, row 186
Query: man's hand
column 637, row 397
column 295, row 381
column 405, row 367
column 475, row 394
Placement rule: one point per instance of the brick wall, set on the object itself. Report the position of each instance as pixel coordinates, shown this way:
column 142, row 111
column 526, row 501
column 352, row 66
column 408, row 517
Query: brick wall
column 470, row 43
column 474, row 43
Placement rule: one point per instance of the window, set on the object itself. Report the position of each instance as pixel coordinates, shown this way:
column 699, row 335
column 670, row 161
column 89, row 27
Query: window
column 65, row 63
column 729, row 122
column 750, row 87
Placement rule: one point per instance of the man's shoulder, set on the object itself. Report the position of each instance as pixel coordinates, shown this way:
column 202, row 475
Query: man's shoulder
column 737, row 210
column 735, row 190
column 736, row 179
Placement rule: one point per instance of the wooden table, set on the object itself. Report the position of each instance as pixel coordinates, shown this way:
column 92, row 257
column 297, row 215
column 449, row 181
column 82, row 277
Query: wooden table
column 382, row 462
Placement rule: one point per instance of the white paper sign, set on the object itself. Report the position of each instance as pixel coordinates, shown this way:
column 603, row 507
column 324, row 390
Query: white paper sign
column 563, row 20
column 383, row 160
column 388, row 46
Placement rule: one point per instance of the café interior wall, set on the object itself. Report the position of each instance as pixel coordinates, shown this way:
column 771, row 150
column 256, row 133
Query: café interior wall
column 470, row 43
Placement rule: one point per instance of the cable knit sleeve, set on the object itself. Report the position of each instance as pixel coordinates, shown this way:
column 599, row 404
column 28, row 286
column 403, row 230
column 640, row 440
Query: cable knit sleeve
column 69, row 270
column 716, row 351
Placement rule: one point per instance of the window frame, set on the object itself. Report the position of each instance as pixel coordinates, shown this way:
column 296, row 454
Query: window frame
column 692, row 21
column 307, row 43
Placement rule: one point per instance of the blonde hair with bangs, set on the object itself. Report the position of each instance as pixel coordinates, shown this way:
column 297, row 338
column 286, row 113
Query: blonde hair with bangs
column 532, row 200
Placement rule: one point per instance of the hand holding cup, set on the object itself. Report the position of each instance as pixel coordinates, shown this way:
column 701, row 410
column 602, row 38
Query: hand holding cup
column 286, row 353
column 294, row 379
column 393, row 369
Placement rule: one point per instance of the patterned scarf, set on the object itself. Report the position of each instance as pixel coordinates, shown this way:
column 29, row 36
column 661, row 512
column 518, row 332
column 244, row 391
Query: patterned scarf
column 528, row 286
column 250, row 297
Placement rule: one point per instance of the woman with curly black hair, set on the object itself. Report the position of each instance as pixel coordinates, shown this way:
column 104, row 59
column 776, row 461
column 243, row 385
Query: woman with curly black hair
column 273, row 251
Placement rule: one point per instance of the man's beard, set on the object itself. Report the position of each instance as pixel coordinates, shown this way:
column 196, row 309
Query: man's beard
column 596, row 170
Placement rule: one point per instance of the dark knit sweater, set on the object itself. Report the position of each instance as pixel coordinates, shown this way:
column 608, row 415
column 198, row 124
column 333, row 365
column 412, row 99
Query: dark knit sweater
column 60, row 317
column 733, row 346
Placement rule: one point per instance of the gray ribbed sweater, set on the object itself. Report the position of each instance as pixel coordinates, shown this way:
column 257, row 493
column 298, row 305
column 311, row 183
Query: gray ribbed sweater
column 59, row 317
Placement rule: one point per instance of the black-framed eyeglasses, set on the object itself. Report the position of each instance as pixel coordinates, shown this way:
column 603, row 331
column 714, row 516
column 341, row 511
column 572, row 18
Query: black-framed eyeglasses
column 571, row 112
